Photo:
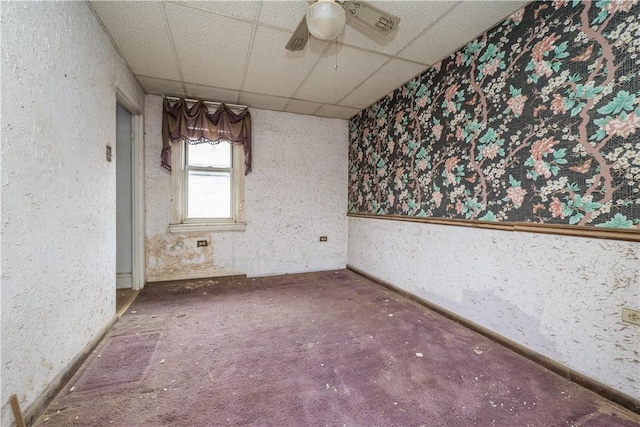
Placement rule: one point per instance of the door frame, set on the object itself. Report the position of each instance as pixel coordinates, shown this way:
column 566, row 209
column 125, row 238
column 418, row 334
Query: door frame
column 137, row 193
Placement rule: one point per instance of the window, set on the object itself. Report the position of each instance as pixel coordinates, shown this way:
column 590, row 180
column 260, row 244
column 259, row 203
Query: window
column 208, row 187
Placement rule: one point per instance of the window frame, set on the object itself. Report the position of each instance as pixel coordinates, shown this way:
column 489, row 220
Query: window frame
column 179, row 222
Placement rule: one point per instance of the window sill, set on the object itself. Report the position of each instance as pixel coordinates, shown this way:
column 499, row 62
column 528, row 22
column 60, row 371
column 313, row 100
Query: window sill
column 206, row 227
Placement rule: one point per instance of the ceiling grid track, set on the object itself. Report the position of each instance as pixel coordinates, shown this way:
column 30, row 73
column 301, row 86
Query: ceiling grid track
column 249, row 51
column 173, row 48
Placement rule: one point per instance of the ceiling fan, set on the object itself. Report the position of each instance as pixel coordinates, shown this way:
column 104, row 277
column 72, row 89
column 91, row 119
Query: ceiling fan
column 325, row 20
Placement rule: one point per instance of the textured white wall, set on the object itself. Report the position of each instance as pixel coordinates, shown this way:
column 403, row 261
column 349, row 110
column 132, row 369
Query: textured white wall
column 59, row 80
column 296, row 192
column 559, row 296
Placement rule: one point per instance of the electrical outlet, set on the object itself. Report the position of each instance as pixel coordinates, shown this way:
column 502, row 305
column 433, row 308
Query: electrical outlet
column 202, row 243
column 323, row 238
column 108, row 153
column 631, row 316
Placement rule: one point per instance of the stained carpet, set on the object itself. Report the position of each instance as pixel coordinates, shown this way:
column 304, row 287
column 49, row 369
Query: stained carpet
column 316, row 349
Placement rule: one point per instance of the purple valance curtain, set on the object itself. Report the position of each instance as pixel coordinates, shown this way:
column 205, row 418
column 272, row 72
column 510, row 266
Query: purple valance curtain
column 196, row 125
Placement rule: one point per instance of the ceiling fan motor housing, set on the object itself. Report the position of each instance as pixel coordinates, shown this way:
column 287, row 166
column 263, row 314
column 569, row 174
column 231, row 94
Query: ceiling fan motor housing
column 326, row 19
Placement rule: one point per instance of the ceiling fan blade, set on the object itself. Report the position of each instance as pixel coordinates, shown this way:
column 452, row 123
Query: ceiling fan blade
column 370, row 15
column 300, row 36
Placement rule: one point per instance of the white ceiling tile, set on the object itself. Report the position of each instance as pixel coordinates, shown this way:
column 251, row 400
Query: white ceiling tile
column 328, row 85
column 337, row 111
column 392, row 75
column 138, row 29
column 212, row 50
column 414, row 16
column 302, row 107
column 468, row 20
column 283, row 14
column 273, row 70
column 161, row 87
column 247, row 10
column 212, row 93
column 263, row 102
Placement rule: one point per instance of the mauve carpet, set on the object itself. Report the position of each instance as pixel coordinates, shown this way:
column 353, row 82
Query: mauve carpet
column 315, row 349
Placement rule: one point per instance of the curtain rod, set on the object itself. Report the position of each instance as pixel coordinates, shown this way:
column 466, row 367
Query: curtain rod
column 214, row 104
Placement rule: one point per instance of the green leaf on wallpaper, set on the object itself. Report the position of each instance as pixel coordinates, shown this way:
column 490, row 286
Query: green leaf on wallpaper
column 555, row 66
column 561, row 49
column 592, row 91
column 530, row 66
column 554, row 170
column 558, row 154
column 381, row 163
column 422, row 153
column 576, row 2
column 422, row 213
column 489, row 216
column 514, row 182
column 618, row 221
column 577, row 109
column 602, row 15
column 591, row 206
column 513, row 91
column 575, row 77
column 422, row 90
column 576, row 218
column 622, row 101
column 534, row 78
column 489, row 53
column 567, row 211
column 573, row 187
column 490, row 136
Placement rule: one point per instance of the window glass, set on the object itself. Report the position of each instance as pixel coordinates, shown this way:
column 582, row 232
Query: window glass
column 209, row 194
column 217, row 156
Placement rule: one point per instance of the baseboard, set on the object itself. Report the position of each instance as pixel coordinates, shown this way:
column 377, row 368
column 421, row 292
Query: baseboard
column 197, row 279
column 38, row 407
column 603, row 390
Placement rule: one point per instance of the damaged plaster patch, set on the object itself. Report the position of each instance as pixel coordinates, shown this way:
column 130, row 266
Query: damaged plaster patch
column 178, row 257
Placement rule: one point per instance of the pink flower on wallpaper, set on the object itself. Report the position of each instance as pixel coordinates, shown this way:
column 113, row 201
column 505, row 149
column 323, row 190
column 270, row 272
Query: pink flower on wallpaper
column 391, row 198
column 437, row 198
column 459, row 60
column 559, row 3
column 516, row 194
column 491, row 67
column 543, row 69
column 451, row 91
column 620, row 5
column 541, row 168
column 622, row 126
column 557, row 105
column 422, row 164
column 451, row 163
column 459, row 207
column 459, row 133
column 391, row 145
column 543, row 47
column 516, row 104
column 490, row 151
column 437, row 130
column 517, row 16
column 437, row 66
column 542, row 147
column 556, row 208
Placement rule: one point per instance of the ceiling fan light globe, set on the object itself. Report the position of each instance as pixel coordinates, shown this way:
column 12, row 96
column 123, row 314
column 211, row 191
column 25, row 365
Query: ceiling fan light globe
column 326, row 19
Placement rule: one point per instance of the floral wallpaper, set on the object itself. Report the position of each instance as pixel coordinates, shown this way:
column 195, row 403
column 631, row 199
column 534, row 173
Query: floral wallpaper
column 535, row 121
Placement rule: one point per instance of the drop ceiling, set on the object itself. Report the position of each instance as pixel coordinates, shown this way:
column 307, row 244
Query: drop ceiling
column 233, row 51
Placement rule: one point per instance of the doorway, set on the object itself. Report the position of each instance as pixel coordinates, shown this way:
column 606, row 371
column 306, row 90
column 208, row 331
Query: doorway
column 124, row 199
column 129, row 198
